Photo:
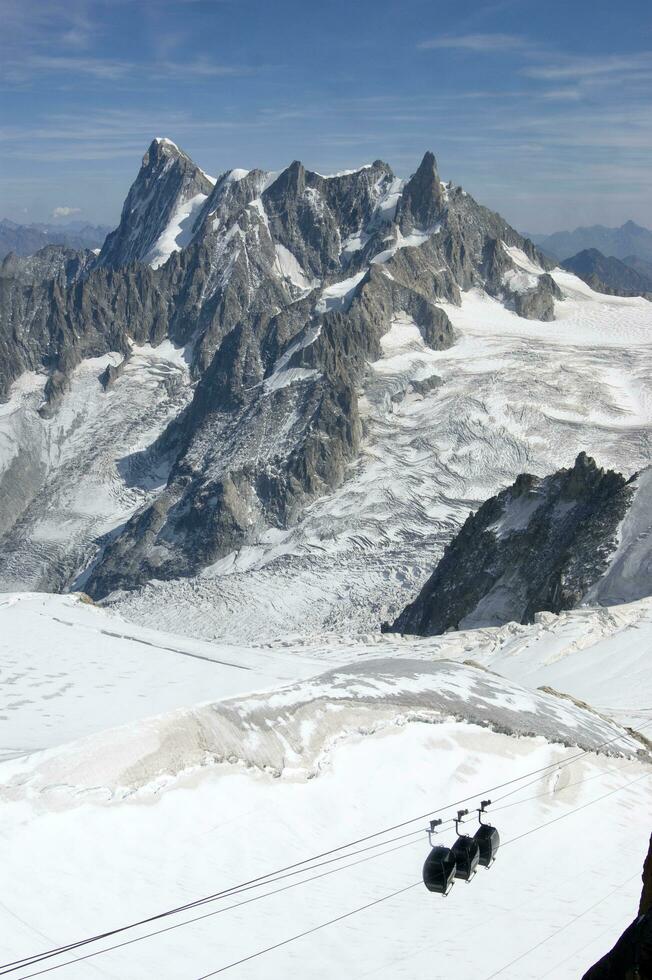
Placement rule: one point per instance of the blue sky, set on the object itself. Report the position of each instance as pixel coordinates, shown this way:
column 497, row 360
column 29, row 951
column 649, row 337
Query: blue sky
column 542, row 109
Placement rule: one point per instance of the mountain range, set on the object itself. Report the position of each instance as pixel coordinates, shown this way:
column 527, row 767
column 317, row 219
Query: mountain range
column 628, row 242
column 279, row 288
column 27, row 239
column 608, row 275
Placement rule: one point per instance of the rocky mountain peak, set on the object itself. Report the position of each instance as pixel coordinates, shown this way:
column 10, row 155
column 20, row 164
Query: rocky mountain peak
column 423, row 196
column 292, row 181
column 161, row 148
column 541, row 544
column 167, row 181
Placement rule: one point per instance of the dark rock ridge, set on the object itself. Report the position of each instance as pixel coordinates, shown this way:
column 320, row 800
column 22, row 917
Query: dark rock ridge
column 608, row 275
column 539, row 545
column 631, row 957
column 280, row 288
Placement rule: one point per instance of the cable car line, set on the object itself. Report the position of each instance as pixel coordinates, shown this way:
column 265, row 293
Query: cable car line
column 553, row 791
column 294, row 884
column 27, row 962
column 323, row 925
column 412, row 834
column 611, row 792
column 308, row 932
column 271, row 877
column 562, row 928
column 207, row 915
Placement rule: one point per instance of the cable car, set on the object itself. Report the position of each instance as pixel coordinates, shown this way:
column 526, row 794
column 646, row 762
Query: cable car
column 466, row 852
column 439, row 866
column 439, row 870
column 487, row 838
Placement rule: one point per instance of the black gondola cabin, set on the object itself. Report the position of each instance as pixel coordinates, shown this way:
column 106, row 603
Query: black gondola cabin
column 439, row 870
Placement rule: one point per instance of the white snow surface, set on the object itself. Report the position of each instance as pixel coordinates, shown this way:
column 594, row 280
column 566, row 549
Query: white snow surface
column 110, row 431
column 338, row 296
column 345, row 173
column 413, row 240
column 129, row 821
column 290, row 268
column 178, row 233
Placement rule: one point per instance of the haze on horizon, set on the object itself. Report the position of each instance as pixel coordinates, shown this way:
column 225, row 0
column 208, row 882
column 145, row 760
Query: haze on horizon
column 542, row 112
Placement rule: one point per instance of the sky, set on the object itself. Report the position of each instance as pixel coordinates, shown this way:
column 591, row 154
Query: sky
column 542, row 109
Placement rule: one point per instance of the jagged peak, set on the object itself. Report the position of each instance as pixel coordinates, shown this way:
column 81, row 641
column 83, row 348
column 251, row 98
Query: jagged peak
column 162, row 150
column 428, row 166
column 167, row 180
column 423, row 195
column 293, row 178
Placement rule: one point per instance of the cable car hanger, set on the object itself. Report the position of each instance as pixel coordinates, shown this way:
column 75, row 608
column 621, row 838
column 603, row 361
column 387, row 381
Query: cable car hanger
column 486, row 837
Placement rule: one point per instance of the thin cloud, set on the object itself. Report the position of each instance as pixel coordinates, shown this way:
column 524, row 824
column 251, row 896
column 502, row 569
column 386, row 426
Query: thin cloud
column 102, row 68
column 477, row 42
column 586, row 68
column 107, row 69
column 65, row 212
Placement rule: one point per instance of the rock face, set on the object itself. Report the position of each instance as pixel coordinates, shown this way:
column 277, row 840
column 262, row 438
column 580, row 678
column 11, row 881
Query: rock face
column 631, row 957
column 608, row 275
column 539, row 545
column 279, row 288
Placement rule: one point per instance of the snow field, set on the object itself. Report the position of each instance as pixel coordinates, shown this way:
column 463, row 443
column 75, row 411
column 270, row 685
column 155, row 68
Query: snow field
column 111, row 864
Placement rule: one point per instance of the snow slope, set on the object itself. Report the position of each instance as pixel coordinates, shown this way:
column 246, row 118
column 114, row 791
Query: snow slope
column 301, row 746
column 69, row 668
column 178, row 232
column 172, row 836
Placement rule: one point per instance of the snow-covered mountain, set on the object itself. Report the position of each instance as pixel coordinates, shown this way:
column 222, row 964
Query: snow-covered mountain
column 278, row 288
column 160, row 209
column 249, row 428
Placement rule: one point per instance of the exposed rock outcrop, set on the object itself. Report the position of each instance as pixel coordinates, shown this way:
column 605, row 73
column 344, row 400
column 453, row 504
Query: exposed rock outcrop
column 168, row 179
column 539, row 545
column 631, row 957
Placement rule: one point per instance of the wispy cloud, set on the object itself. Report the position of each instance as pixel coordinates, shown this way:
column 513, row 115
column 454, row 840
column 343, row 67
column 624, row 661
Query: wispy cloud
column 26, row 69
column 35, row 23
column 577, row 68
column 477, row 42
column 37, row 64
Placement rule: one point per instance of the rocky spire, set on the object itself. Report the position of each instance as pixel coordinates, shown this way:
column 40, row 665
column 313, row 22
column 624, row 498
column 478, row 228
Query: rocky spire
column 422, row 198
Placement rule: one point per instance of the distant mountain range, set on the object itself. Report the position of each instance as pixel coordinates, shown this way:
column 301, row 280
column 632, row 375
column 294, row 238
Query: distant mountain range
column 27, row 239
column 608, row 274
column 630, row 241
